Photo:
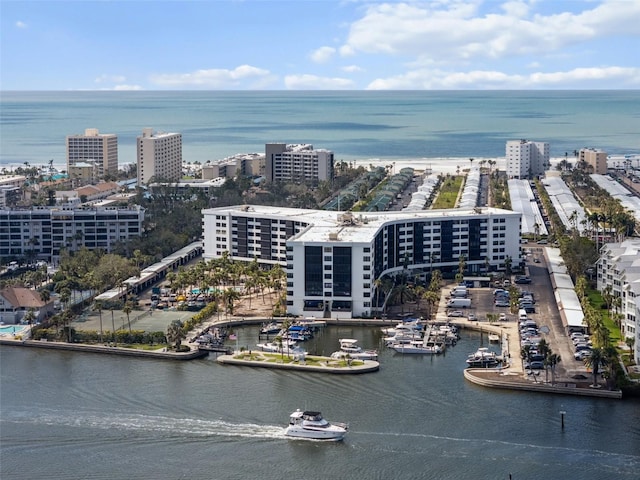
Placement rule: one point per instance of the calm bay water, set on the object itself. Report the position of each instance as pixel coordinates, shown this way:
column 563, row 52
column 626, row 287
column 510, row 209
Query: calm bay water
column 84, row 416
column 355, row 125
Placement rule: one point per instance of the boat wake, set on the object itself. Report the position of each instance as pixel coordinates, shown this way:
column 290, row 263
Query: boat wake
column 166, row 426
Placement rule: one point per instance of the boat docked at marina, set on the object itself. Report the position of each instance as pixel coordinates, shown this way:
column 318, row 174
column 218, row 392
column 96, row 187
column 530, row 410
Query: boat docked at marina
column 494, row 338
column 483, row 357
column 350, row 347
column 418, row 346
column 277, row 347
column 271, row 328
column 310, row 425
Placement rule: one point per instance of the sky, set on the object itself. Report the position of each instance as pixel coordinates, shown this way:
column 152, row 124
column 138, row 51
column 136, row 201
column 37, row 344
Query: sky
column 319, row 45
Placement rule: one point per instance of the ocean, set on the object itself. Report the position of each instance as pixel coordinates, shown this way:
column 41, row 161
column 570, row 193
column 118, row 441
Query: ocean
column 357, row 126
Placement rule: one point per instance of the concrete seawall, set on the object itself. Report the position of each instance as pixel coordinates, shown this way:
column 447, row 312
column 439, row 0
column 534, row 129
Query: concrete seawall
column 495, row 378
column 105, row 350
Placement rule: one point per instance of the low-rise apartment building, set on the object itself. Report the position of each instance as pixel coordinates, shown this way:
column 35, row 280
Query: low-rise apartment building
column 42, row 232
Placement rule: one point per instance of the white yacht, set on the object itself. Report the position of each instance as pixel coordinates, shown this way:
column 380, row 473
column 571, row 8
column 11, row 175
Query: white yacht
column 311, row 426
column 418, row 346
column 350, row 346
column 287, row 346
column 483, row 357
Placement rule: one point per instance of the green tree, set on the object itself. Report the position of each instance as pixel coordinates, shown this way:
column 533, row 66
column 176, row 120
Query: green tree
column 175, row 333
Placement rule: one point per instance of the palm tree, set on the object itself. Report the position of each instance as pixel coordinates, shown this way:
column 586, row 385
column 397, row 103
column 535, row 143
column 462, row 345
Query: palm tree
column 553, row 360
column 595, row 361
column 29, row 317
column 175, row 333
column 98, row 307
column 128, row 306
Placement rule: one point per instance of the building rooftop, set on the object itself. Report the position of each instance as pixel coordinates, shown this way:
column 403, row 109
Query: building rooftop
column 350, row 226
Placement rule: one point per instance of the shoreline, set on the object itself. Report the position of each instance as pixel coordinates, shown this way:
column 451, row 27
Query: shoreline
column 509, row 377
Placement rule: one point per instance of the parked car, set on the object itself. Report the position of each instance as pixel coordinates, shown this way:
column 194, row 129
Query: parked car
column 503, row 317
column 522, row 280
column 534, row 365
column 455, row 313
column 501, row 303
column 472, row 317
column 582, row 354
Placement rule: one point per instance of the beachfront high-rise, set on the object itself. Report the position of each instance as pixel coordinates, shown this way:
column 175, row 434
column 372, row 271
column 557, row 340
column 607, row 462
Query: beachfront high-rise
column 159, row 156
column 98, row 149
column 595, row 159
column 526, row 159
column 297, row 163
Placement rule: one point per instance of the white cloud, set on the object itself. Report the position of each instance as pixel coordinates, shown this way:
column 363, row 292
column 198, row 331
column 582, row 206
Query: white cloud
column 127, row 88
column 352, row 69
column 211, row 78
column 21, row 24
column 313, row 82
column 323, row 54
column 596, row 77
column 104, row 78
column 453, row 31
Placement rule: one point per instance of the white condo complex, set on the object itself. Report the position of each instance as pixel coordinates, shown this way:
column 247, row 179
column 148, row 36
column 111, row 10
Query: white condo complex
column 619, row 272
column 526, row 159
column 159, row 156
column 332, row 259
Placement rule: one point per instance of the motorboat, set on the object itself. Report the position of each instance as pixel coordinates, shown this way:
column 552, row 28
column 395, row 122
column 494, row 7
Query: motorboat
column 409, row 327
column 402, row 337
column 271, row 328
column 349, row 346
column 311, row 425
column 483, row 357
column 418, row 346
column 494, row 338
column 299, row 333
column 287, row 346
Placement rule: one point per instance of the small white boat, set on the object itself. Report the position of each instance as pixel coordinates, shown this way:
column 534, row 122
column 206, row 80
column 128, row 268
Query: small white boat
column 483, row 357
column 417, row 346
column 271, row 328
column 350, row 346
column 287, row 346
column 311, row 426
column 494, row 338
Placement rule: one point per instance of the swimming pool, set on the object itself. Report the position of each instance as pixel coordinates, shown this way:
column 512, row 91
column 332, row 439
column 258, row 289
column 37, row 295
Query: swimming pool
column 12, row 329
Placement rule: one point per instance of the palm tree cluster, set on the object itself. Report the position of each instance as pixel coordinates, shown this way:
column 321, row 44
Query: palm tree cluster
column 604, row 354
column 224, row 281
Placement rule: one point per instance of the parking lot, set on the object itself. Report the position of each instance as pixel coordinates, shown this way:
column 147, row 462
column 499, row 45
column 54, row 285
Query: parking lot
column 546, row 316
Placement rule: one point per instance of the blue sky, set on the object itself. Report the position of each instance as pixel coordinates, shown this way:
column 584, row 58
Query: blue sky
column 323, row 44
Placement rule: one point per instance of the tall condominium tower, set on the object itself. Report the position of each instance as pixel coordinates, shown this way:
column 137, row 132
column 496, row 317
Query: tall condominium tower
column 159, row 156
column 297, row 163
column 526, row 159
column 595, row 159
column 98, row 149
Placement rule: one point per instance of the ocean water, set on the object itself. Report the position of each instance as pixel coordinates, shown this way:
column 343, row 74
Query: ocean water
column 357, row 126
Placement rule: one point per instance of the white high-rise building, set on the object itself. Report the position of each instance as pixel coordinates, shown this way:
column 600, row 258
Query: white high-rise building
column 526, row 159
column 298, row 163
column 98, row 149
column 159, row 156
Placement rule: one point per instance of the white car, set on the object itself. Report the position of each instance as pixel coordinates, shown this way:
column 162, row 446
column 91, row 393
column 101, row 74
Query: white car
column 503, row 317
column 455, row 313
column 472, row 317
